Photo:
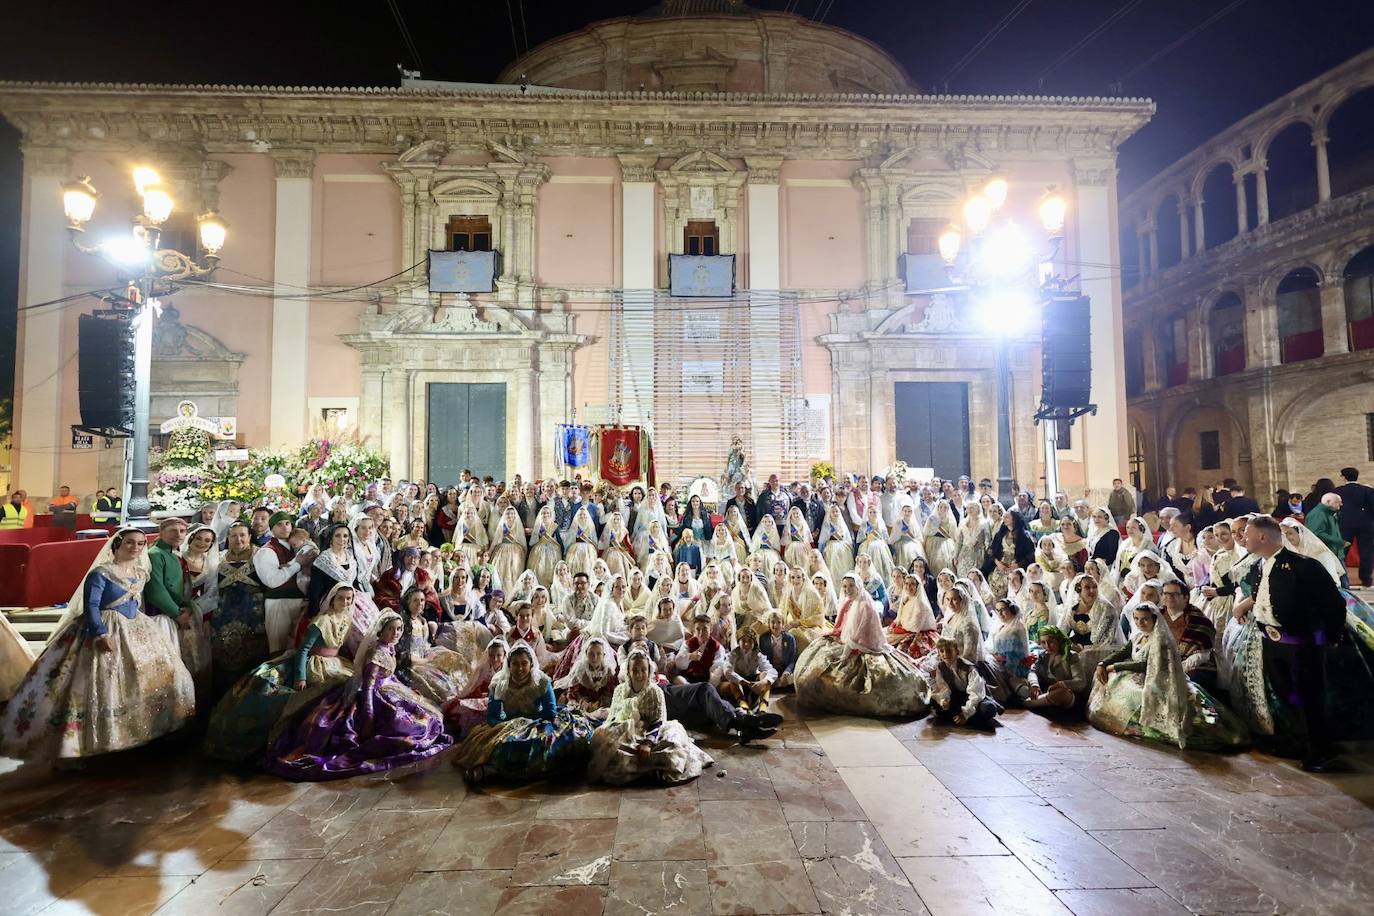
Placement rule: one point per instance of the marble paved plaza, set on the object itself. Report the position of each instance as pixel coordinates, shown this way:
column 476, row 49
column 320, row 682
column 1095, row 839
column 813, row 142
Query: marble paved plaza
column 835, row 815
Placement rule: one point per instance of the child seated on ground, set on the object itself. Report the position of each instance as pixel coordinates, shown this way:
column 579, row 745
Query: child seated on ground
column 780, row 648
column 525, row 631
column 1056, row 680
column 701, row 658
column 666, row 629
column 639, row 639
column 958, row 693
column 748, row 676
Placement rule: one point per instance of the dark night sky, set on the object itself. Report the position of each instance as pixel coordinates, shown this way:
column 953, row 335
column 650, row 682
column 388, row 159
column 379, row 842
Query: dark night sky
column 1256, row 52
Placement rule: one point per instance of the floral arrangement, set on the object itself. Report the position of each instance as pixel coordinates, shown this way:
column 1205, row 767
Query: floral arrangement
column 348, row 462
column 189, row 478
column 898, row 472
column 229, row 480
column 187, row 447
column 821, row 470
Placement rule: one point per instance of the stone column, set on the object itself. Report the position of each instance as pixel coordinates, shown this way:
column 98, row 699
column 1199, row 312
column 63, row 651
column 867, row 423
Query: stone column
column 1261, row 330
column 1242, row 214
column 1199, row 228
column 370, row 408
column 1323, row 167
column 291, row 317
column 1335, row 331
column 527, row 429
column 1097, row 241
column 870, row 181
column 1261, row 192
column 1142, row 266
column 1198, row 357
column 638, row 268
column 765, row 310
column 1154, row 249
column 396, row 420
column 1184, row 230
column 37, row 434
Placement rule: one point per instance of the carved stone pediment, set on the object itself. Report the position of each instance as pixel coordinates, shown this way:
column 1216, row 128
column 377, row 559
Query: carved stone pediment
column 174, row 340
column 458, row 317
column 702, row 161
column 430, row 152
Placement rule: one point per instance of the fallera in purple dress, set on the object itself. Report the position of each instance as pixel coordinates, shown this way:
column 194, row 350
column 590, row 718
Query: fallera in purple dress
column 369, row 724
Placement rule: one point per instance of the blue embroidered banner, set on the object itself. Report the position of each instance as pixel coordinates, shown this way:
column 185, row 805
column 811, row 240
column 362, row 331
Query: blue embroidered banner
column 705, row 276
column 574, row 446
column 463, row 271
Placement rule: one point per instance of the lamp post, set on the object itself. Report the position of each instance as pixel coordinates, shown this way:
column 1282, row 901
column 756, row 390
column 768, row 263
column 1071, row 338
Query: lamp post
column 153, row 271
column 999, row 271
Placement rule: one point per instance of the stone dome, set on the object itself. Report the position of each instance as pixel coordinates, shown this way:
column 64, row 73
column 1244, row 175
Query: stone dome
column 711, row 46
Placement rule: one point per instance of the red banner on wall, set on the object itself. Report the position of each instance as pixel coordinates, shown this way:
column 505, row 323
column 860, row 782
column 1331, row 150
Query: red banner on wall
column 620, row 455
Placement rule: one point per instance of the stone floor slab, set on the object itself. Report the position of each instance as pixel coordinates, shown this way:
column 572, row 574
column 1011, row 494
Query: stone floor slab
column 239, row 888
column 451, row 893
column 1121, row 902
column 853, row 742
column 916, row 815
column 961, row 885
column 676, row 888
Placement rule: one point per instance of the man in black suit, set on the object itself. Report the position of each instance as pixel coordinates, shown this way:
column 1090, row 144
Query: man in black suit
column 746, row 506
column 1357, row 521
column 1300, row 613
column 1239, row 504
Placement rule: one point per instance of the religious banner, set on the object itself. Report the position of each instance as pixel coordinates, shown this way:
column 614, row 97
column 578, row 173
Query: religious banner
column 620, row 454
column 463, row 271
column 710, row 276
column 574, row 445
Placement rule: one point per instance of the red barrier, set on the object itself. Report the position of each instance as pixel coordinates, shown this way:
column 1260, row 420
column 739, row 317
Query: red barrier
column 56, row 570
column 35, row 536
column 46, row 521
column 14, row 564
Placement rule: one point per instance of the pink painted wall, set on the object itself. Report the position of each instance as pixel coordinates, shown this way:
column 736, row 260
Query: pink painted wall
column 823, row 247
column 357, row 225
column 577, row 242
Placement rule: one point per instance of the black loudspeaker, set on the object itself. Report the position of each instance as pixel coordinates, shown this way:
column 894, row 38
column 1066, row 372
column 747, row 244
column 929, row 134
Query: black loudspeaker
column 1066, row 353
column 105, row 348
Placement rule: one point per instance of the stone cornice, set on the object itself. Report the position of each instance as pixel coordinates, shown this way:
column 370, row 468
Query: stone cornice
column 255, row 119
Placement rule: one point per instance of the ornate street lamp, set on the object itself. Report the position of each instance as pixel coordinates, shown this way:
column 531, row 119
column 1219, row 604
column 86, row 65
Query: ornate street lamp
column 155, row 270
column 998, row 271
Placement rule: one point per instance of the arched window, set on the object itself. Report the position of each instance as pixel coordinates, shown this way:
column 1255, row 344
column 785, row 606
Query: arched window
column 1350, row 144
column 1218, row 206
column 1300, row 316
column 1173, row 352
column 1292, row 171
column 1168, row 242
column 1226, row 328
column 1359, row 299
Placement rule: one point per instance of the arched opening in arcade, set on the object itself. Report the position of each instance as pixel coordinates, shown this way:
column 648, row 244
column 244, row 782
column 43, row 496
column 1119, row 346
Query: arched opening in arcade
column 1168, row 236
column 1226, row 331
column 1291, row 175
column 1300, row 316
column 1219, row 215
column 1350, row 144
column 1359, row 299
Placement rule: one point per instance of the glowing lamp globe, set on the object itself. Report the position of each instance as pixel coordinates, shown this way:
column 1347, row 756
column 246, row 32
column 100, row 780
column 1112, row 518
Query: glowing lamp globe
column 78, row 201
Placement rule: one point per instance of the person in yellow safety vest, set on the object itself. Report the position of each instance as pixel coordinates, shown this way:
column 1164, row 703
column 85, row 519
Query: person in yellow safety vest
column 107, row 507
column 14, row 513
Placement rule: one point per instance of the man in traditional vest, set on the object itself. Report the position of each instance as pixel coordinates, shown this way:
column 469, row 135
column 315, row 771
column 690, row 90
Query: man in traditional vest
column 277, row 565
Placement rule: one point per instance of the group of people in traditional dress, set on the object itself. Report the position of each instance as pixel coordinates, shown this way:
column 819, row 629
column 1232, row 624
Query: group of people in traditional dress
column 558, row 627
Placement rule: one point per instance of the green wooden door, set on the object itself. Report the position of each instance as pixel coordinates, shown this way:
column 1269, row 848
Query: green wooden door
column 467, row 429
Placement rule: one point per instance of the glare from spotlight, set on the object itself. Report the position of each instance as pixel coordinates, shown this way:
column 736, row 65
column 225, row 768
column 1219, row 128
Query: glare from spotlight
column 1005, row 252
column 1007, row 311
column 144, row 177
column 126, row 250
column 977, row 213
column 996, row 192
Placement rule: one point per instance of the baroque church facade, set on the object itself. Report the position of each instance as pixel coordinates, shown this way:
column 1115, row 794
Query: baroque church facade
column 805, row 152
